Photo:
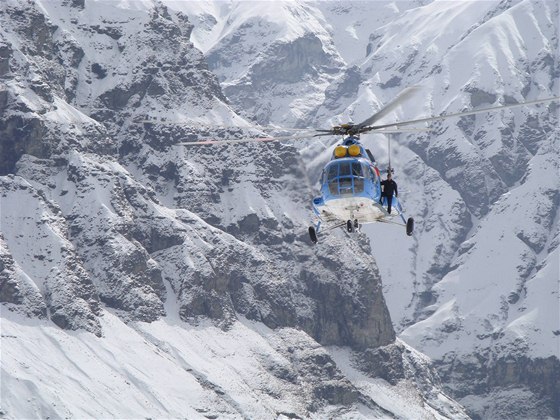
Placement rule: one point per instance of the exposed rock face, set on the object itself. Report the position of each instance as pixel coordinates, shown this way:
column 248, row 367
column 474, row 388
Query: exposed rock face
column 258, row 60
column 274, row 280
column 397, row 363
column 533, row 381
column 41, row 269
column 125, row 198
column 298, row 61
column 16, row 288
column 306, row 365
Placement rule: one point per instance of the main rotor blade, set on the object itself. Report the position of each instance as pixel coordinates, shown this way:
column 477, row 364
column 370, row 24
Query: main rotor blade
column 403, row 130
column 461, row 114
column 194, row 125
column 401, row 97
column 246, row 140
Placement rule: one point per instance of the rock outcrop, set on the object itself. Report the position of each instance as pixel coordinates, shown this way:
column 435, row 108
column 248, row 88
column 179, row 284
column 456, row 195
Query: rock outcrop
column 141, row 222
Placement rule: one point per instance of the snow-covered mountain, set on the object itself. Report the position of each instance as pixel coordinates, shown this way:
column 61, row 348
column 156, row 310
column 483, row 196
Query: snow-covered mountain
column 478, row 287
column 182, row 278
column 140, row 278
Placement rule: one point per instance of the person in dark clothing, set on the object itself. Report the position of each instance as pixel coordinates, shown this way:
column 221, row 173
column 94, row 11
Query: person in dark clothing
column 389, row 187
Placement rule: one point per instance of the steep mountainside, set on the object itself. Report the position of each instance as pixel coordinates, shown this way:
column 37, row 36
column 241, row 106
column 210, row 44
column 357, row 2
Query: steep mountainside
column 140, row 278
column 477, row 287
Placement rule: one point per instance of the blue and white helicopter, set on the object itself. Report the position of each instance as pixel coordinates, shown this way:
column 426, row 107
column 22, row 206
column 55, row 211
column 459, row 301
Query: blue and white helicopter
column 351, row 186
column 350, row 191
column 350, row 183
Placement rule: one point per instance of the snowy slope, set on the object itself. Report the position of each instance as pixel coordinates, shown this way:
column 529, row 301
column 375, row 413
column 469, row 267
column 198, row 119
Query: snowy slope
column 172, row 369
column 141, row 278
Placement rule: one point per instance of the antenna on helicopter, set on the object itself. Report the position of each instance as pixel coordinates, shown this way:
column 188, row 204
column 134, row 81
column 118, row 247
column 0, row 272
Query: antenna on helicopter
column 390, row 169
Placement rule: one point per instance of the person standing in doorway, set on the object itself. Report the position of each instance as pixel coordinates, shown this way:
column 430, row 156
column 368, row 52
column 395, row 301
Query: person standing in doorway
column 389, row 187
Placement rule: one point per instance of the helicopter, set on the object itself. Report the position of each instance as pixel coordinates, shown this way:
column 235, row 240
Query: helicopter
column 350, row 183
column 351, row 192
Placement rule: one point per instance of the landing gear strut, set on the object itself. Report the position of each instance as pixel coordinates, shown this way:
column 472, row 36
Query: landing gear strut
column 352, row 226
column 313, row 234
column 409, row 226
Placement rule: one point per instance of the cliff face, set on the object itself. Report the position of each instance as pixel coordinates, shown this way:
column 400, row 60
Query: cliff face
column 477, row 287
column 126, row 200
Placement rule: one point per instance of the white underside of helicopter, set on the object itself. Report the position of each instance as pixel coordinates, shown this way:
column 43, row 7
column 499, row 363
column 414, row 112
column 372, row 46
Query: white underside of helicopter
column 354, row 208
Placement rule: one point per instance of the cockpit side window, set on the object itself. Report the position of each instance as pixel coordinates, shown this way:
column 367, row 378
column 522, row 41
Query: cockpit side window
column 372, row 175
column 368, row 172
column 333, row 172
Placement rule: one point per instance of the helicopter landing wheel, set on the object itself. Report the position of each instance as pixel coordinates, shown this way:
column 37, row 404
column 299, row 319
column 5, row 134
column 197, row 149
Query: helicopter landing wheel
column 313, row 234
column 349, row 226
column 409, row 226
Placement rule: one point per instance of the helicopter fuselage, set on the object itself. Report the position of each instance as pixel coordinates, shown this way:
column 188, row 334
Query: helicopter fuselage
column 351, row 186
column 350, row 190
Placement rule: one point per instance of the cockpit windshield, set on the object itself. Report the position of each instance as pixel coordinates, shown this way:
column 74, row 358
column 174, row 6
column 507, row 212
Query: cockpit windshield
column 345, row 177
